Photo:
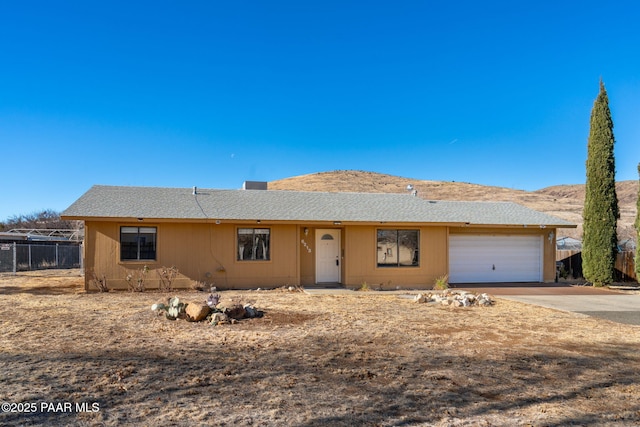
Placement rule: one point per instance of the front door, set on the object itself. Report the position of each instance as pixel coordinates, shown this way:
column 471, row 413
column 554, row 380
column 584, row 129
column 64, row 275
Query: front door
column 328, row 256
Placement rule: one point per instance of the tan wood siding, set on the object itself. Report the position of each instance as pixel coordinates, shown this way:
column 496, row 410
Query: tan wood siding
column 201, row 252
column 361, row 259
column 207, row 252
column 307, row 250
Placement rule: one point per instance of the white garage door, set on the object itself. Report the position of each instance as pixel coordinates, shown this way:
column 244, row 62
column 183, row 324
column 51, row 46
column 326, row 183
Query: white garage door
column 485, row 259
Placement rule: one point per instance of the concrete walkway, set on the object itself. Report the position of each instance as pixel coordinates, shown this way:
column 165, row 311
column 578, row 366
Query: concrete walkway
column 617, row 306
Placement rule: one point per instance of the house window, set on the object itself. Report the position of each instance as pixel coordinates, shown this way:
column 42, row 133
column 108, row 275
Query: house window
column 398, row 248
column 138, row 243
column 254, row 244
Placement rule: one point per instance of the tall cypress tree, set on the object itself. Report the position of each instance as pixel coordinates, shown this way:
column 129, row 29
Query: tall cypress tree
column 600, row 214
column 637, row 224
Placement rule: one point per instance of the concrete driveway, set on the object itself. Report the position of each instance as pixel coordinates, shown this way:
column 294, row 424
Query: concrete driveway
column 617, row 306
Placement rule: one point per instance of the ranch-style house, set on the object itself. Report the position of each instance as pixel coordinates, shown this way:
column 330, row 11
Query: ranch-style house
column 253, row 238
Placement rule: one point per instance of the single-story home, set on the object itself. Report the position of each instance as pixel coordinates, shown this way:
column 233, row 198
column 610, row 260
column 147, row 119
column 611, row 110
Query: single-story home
column 253, row 238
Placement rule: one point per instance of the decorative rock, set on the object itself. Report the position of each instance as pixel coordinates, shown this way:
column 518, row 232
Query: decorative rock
column 197, row 311
column 455, row 298
column 484, row 299
column 235, row 312
column 464, row 301
column 420, row 299
column 251, row 312
column 219, row 318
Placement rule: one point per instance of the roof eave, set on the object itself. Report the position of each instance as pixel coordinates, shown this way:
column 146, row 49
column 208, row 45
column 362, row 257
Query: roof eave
column 318, row 222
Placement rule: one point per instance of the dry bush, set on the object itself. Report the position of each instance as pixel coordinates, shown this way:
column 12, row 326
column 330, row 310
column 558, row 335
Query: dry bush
column 136, row 278
column 98, row 281
column 166, row 277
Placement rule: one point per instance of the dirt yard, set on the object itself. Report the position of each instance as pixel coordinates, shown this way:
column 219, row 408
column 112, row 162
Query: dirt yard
column 375, row 358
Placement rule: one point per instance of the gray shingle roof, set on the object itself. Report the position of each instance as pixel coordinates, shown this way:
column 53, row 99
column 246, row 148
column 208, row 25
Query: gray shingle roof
column 179, row 203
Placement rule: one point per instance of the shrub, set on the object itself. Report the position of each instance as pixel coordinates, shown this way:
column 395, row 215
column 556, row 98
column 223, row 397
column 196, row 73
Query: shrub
column 562, row 271
column 99, row 282
column 172, row 310
column 442, row 283
column 135, row 279
column 167, row 275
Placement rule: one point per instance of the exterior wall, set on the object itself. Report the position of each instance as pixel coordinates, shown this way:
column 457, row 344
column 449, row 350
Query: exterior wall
column 207, row 253
column 307, row 251
column 549, row 256
column 549, row 245
column 361, row 266
column 201, row 252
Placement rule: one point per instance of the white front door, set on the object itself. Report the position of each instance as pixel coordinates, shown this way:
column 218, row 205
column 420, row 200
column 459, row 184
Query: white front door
column 328, row 256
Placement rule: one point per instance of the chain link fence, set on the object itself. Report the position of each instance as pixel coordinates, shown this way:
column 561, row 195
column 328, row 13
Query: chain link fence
column 16, row 257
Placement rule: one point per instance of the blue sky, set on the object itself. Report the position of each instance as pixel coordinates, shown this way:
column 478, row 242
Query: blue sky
column 214, row 93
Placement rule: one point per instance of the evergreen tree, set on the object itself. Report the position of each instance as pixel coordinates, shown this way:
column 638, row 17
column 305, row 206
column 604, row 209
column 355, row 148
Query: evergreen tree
column 637, row 224
column 600, row 214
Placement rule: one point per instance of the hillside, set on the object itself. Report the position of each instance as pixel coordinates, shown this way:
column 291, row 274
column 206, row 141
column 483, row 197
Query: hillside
column 564, row 201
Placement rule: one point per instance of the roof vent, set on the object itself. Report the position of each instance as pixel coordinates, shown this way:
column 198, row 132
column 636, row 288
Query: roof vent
column 195, row 190
column 254, row 185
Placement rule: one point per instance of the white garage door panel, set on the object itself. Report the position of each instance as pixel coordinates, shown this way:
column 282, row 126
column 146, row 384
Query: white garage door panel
column 484, row 259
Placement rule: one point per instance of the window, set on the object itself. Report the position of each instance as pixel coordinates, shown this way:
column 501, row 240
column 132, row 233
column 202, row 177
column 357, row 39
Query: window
column 137, row 243
column 254, row 244
column 398, row 248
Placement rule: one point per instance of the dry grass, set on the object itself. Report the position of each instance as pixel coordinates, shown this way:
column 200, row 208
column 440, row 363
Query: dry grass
column 363, row 359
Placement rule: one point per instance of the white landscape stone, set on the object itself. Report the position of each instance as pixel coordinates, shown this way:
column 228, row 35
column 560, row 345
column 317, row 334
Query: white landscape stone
column 454, row 298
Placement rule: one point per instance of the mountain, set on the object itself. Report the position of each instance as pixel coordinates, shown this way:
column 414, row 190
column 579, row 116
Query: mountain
column 563, row 201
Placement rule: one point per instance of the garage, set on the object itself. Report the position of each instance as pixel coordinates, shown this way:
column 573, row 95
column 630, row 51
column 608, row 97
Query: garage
column 495, row 258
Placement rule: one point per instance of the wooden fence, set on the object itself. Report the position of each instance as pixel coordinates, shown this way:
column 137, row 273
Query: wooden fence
column 572, row 264
column 625, row 266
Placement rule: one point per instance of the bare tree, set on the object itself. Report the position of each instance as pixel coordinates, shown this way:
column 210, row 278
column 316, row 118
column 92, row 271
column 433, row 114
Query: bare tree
column 46, row 218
